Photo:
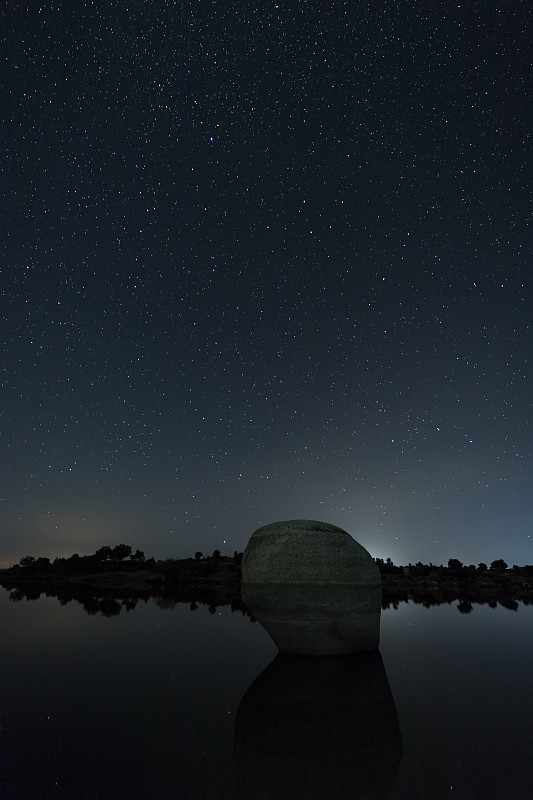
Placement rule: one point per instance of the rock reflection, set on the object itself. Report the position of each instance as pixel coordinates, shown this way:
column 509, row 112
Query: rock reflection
column 318, row 728
column 317, row 620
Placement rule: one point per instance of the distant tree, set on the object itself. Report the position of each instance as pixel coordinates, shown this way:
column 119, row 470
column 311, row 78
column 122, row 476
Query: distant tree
column 482, row 567
column 454, row 563
column 465, row 606
column 27, row 561
column 388, row 567
column 138, row 555
column 103, row 553
column 198, row 555
column 499, row 565
column 216, row 553
column 121, row 551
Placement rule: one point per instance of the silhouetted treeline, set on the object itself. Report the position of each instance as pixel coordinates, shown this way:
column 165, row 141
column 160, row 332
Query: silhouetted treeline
column 104, row 556
column 111, row 557
column 470, row 584
column 387, row 567
column 123, row 554
column 116, row 578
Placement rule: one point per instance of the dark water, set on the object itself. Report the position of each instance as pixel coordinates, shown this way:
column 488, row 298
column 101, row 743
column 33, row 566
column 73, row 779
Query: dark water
column 170, row 703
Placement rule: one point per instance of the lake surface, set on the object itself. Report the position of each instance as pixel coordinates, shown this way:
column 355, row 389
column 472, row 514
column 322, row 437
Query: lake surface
column 172, row 703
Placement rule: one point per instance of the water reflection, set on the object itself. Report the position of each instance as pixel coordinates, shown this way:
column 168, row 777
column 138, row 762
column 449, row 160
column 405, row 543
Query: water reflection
column 317, row 619
column 466, row 601
column 110, row 602
column 318, row 728
column 143, row 705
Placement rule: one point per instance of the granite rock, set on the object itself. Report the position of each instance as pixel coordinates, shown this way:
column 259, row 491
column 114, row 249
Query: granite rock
column 313, row 588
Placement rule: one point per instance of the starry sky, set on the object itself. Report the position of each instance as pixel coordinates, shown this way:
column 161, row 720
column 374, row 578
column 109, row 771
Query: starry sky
column 266, row 260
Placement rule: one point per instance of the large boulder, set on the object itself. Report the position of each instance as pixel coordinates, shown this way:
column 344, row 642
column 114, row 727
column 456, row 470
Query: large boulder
column 313, row 588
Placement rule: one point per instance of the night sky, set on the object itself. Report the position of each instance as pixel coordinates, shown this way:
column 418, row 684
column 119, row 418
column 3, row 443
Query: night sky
column 266, row 260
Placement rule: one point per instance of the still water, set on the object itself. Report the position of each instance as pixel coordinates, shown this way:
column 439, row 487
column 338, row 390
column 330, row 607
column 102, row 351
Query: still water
column 172, row 703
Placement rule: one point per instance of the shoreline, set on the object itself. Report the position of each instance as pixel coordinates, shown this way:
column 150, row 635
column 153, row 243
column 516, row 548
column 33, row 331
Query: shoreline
column 216, row 582
column 506, row 590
